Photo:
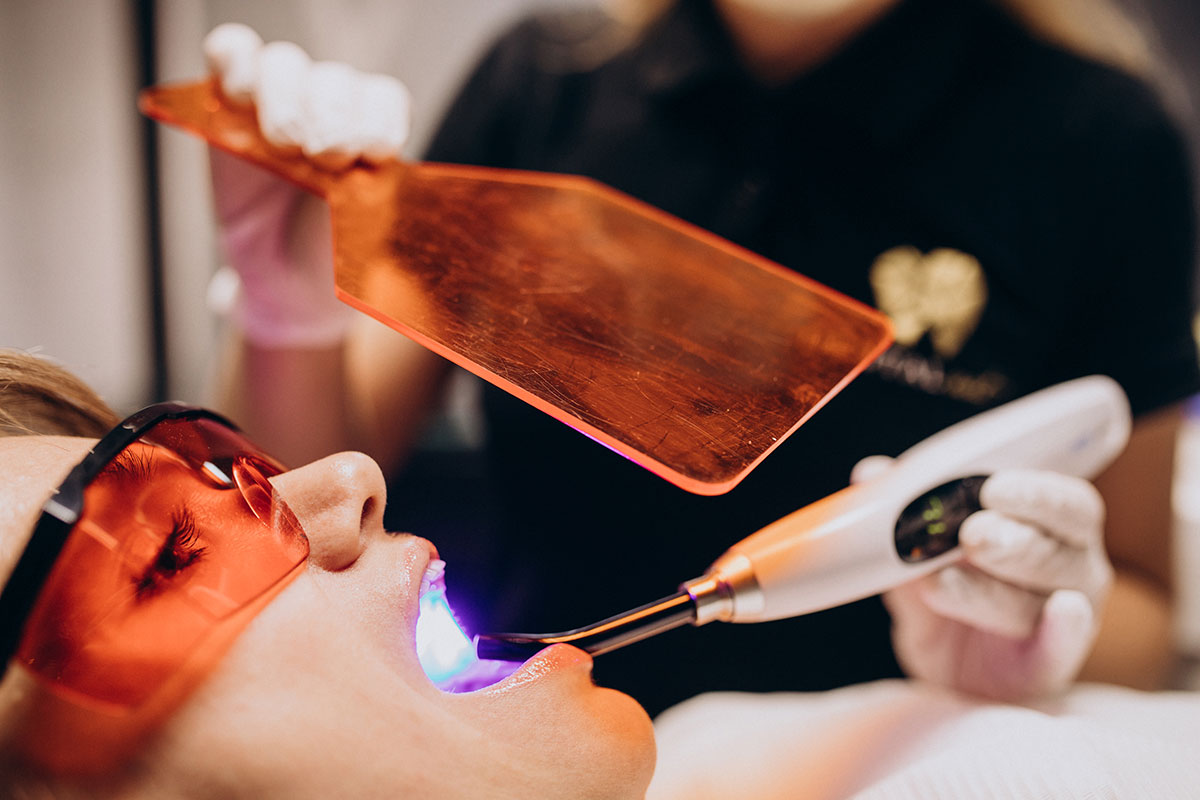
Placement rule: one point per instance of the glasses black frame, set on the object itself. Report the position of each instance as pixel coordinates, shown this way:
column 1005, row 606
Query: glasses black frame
column 64, row 508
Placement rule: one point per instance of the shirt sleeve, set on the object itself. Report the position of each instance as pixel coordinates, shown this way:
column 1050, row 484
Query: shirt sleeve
column 1142, row 306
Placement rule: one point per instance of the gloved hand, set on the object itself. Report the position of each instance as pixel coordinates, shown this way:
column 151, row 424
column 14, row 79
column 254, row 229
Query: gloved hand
column 274, row 236
column 1017, row 616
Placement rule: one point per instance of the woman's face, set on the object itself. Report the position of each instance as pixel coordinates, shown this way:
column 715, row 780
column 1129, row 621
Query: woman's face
column 322, row 694
column 799, row 9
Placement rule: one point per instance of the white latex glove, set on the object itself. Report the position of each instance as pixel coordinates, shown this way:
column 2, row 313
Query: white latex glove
column 275, row 236
column 1017, row 616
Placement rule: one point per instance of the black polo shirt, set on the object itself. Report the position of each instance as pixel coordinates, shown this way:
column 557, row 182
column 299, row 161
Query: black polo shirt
column 1024, row 215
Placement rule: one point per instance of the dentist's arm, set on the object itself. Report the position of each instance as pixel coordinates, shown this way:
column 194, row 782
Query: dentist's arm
column 1135, row 645
column 303, row 373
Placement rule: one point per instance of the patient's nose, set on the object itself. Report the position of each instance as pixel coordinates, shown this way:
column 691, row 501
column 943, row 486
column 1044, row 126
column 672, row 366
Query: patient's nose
column 339, row 501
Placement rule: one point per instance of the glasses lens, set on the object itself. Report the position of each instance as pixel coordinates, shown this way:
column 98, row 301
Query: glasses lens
column 178, row 532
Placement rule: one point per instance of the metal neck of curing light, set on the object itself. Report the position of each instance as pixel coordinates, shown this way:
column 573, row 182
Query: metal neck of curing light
column 717, row 595
column 726, row 592
column 602, row 637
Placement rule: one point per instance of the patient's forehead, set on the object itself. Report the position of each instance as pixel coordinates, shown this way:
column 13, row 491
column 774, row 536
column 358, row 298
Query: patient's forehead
column 31, row 467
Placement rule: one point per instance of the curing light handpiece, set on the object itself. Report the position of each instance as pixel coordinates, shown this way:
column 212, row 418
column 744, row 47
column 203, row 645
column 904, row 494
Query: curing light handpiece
column 874, row 535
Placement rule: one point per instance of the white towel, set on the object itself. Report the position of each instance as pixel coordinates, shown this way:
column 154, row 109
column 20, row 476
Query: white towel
column 897, row 740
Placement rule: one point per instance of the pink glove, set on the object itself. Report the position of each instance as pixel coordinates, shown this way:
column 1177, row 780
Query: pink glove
column 1018, row 615
column 275, row 237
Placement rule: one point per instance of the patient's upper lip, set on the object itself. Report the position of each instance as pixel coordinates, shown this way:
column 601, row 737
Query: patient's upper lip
column 422, row 568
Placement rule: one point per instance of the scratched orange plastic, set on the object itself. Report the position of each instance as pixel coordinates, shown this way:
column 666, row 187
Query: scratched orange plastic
column 683, row 352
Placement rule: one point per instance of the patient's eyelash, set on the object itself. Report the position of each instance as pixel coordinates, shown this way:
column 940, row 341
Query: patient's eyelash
column 131, row 465
column 179, row 550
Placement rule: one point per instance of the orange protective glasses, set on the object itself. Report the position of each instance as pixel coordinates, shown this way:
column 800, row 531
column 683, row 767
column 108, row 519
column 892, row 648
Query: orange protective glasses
column 145, row 553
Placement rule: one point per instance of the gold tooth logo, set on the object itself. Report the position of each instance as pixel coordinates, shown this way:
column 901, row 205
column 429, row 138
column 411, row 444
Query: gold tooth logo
column 942, row 292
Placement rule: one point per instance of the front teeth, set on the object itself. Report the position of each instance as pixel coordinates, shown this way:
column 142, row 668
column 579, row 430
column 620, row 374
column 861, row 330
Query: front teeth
column 434, row 577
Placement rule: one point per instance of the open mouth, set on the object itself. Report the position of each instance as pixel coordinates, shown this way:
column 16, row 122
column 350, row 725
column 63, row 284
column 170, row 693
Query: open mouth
column 446, row 652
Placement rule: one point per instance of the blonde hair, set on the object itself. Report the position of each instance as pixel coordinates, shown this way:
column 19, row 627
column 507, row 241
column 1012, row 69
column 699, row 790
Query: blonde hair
column 1097, row 29
column 38, row 396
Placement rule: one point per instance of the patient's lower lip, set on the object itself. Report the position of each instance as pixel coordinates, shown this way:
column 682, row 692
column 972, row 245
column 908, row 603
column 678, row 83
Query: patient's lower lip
column 479, row 675
column 552, row 659
column 503, row 676
column 506, row 675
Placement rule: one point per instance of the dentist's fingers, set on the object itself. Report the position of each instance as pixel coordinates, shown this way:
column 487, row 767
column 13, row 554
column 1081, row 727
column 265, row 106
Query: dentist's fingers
column 332, row 115
column 280, row 94
column 1026, row 556
column 1068, row 508
column 330, row 111
column 1063, row 640
column 231, row 52
column 870, row 467
column 349, row 114
column 385, row 119
column 966, row 595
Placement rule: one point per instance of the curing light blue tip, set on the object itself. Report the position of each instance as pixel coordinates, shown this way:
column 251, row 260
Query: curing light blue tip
column 442, row 647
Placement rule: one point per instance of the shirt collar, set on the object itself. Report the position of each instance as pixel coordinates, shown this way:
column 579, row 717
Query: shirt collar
column 882, row 85
column 686, row 49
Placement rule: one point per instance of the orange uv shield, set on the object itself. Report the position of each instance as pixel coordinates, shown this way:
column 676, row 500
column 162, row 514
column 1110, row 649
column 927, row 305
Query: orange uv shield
column 685, row 353
column 176, row 534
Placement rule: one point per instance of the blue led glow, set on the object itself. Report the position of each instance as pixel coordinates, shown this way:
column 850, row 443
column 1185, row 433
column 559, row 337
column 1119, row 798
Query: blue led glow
column 443, row 648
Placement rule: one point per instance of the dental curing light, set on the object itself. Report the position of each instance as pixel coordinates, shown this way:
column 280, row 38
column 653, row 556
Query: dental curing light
column 875, row 535
column 447, row 653
column 443, row 649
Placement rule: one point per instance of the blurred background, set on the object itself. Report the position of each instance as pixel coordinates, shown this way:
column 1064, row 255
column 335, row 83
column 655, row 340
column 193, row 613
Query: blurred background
column 105, row 223
column 105, row 217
